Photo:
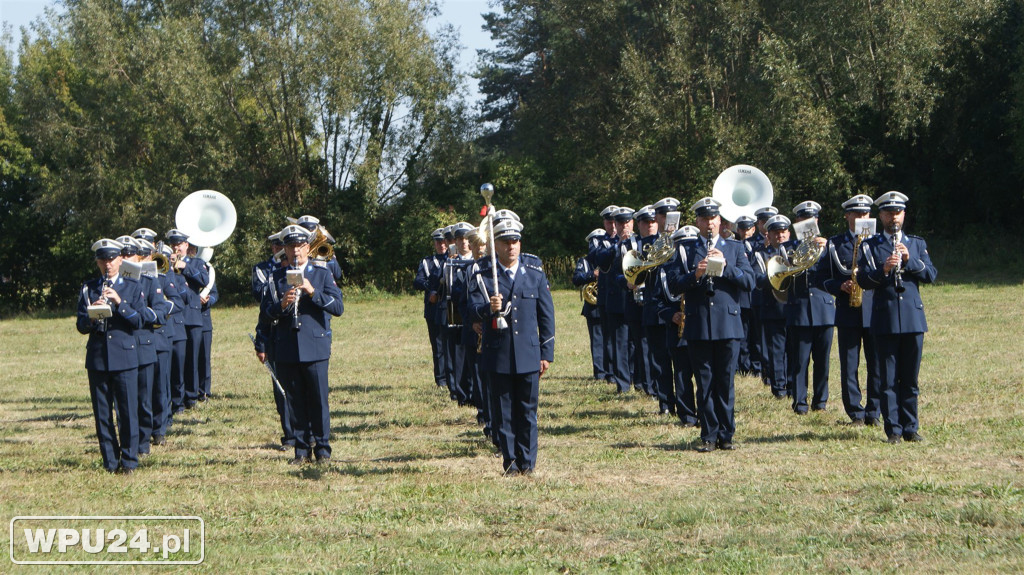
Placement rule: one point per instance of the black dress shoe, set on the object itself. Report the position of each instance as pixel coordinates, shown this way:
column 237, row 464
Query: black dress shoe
column 299, row 460
column 822, row 408
column 870, row 421
column 856, row 422
column 779, row 394
column 725, row 445
column 159, row 440
column 707, row 446
column 800, row 411
column 125, row 471
column 913, row 437
column 527, row 472
column 510, row 471
column 894, row 439
column 323, row 457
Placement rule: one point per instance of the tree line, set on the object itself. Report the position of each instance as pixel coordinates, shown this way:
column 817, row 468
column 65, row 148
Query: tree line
column 112, row 111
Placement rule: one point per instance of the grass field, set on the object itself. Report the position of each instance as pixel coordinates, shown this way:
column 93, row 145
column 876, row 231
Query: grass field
column 414, row 487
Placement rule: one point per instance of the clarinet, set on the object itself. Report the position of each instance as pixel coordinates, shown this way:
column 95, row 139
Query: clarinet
column 710, row 285
column 898, row 270
column 107, row 282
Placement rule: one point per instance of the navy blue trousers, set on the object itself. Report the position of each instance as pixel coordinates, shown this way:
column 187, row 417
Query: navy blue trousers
column 594, row 329
column 517, row 396
column 436, row 351
column 899, row 361
column 640, row 358
column 660, row 361
column 755, row 339
column 284, row 412
column 205, row 350
column 774, row 367
column 458, row 381
column 162, row 393
column 144, row 410
column 110, row 391
column 193, row 341
column 178, row 352
column 608, row 345
column 849, row 340
column 714, row 365
column 618, row 334
column 305, row 384
column 808, row 345
column 686, row 403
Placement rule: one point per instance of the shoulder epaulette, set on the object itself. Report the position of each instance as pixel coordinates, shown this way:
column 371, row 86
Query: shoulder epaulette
column 319, row 263
column 532, row 261
column 915, row 237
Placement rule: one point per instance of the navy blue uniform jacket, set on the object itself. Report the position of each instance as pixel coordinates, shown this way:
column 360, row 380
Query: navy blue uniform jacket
column 115, row 348
column 893, row 312
column 530, row 336
column 717, row 316
column 312, row 342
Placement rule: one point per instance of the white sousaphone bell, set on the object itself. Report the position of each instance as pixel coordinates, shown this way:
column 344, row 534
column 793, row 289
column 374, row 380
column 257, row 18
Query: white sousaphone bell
column 742, row 190
column 207, row 217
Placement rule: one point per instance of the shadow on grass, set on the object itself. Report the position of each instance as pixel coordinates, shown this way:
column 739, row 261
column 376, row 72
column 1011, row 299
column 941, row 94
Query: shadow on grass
column 49, row 399
column 56, row 417
column 357, row 388
column 341, row 413
column 609, row 414
column 318, row 471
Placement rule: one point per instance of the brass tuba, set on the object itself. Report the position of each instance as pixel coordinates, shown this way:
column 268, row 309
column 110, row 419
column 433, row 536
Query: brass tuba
column 320, row 247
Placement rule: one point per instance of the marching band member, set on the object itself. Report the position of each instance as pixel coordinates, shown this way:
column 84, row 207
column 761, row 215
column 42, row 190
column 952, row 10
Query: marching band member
column 601, row 255
column 303, row 342
column 428, row 266
column 668, row 306
column 517, row 356
column 772, row 312
column 458, row 338
column 810, row 317
column 266, row 326
column 894, row 264
column 713, row 327
column 111, row 359
column 438, row 284
column 615, row 303
column 659, row 357
column 154, row 313
column 196, row 277
column 208, row 297
column 640, row 354
column 312, row 223
column 852, row 322
column 163, row 334
column 750, row 358
column 585, row 274
column 759, row 241
column 760, row 237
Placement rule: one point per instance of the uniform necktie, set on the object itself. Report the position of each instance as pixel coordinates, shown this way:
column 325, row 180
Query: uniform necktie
column 510, row 274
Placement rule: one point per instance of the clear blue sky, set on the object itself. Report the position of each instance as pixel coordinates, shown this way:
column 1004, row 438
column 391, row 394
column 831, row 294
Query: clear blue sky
column 465, row 15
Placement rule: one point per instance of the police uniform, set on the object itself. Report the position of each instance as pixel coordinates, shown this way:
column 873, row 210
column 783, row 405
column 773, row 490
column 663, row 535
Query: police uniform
column 583, row 275
column 303, row 349
column 713, row 327
column 771, row 314
column 601, row 255
column 897, row 319
column 609, row 259
column 756, row 335
column 513, row 356
column 639, row 351
column 750, row 359
column 667, row 305
column 112, row 362
column 196, row 277
column 810, row 317
column 659, row 358
column 428, row 266
column 162, row 402
column 206, row 343
column 154, row 313
column 852, row 323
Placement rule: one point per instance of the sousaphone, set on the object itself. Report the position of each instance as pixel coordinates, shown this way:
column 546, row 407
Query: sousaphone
column 742, row 190
column 207, row 217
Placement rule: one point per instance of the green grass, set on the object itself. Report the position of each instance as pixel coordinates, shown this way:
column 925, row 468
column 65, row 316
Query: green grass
column 414, row 487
